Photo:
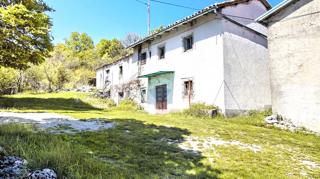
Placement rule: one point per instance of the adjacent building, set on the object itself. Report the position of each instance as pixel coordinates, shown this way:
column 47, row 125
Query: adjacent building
column 217, row 56
column 294, row 44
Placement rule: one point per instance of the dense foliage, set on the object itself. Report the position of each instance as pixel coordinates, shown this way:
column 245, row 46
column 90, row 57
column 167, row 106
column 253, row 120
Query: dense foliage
column 29, row 61
column 71, row 65
column 24, row 33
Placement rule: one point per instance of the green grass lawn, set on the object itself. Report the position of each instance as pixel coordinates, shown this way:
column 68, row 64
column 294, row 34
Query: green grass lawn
column 150, row 146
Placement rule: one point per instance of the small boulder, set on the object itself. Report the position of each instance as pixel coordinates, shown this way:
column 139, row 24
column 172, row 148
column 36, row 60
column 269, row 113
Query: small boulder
column 3, row 152
column 273, row 119
column 13, row 167
column 43, row 174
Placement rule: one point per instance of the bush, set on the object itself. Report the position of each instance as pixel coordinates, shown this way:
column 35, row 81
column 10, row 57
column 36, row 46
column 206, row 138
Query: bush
column 34, row 78
column 63, row 77
column 8, row 80
column 100, row 103
column 81, row 77
column 129, row 105
column 200, row 110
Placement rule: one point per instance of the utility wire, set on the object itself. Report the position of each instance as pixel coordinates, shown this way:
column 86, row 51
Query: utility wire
column 170, row 4
column 176, row 5
column 142, row 2
column 191, row 8
column 228, row 15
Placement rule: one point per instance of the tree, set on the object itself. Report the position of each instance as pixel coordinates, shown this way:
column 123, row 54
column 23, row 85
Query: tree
column 130, row 39
column 8, row 80
column 34, row 78
column 35, row 5
column 24, row 33
column 82, row 50
column 63, row 77
column 157, row 30
column 79, row 42
column 111, row 47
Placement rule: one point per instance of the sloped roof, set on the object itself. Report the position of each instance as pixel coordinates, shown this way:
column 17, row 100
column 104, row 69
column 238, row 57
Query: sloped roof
column 118, row 60
column 275, row 10
column 196, row 15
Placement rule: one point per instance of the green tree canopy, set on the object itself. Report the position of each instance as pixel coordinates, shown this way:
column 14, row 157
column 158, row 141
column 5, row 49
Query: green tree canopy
column 110, row 47
column 24, row 33
column 79, row 42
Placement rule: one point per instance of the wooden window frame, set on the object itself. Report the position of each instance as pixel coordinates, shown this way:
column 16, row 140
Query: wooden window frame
column 162, row 49
column 186, row 40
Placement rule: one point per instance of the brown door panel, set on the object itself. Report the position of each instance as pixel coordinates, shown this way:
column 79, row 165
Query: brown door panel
column 161, row 97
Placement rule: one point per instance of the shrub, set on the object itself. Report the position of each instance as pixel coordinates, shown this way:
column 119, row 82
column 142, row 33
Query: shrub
column 8, row 80
column 34, row 78
column 200, row 110
column 129, row 105
column 81, row 77
column 63, row 77
column 102, row 103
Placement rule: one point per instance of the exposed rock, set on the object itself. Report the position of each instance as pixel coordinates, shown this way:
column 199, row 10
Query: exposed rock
column 273, row 119
column 55, row 123
column 3, row 152
column 310, row 164
column 196, row 144
column 280, row 122
column 43, row 174
column 13, row 167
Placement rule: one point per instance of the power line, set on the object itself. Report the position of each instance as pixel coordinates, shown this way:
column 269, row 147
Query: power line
column 168, row 3
column 176, row 5
column 142, row 2
column 228, row 15
column 191, row 8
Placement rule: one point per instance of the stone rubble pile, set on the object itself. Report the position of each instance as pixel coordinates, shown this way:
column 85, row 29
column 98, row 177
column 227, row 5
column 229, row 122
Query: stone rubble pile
column 12, row 167
column 280, row 122
column 43, row 174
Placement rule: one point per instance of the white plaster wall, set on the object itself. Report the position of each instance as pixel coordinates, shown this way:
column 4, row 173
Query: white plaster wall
column 247, row 80
column 130, row 72
column 100, row 78
column 203, row 64
column 252, row 10
column 294, row 42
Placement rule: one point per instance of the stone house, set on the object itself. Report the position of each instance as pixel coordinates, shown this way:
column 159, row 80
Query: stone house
column 217, row 56
column 294, row 44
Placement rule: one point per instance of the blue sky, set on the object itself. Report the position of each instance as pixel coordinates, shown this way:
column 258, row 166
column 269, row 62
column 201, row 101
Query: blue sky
column 114, row 18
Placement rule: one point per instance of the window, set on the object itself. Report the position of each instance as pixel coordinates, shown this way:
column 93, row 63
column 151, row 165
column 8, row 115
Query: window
column 143, row 95
column 143, row 58
column 120, row 71
column 150, row 54
column 121, row 95
column 188, row 43
column 188, row 88
column 108, row 94
column 162, row 52
column 108, row 73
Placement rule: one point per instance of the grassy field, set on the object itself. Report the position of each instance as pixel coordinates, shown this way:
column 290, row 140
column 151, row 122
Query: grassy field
column 157, row 146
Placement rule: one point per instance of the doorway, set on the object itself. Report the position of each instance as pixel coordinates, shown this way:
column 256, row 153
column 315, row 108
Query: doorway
column 161, row 97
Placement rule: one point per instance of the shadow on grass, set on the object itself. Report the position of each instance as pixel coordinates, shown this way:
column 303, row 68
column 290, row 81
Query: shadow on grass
column 45, row 104
column 130, row 150
column 146, row 151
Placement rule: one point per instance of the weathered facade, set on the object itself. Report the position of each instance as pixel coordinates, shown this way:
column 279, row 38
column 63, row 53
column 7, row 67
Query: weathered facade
column 294, row 44
column 212, row 57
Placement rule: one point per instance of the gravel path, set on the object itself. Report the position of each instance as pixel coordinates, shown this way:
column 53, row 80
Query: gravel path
column 55, row 123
